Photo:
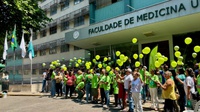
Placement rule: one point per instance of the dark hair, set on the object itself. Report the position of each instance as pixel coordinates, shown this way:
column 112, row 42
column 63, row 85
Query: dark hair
column 181, row 70
column 190, row 72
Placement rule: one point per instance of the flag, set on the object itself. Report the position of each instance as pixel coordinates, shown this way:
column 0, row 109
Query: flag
column 152, row 58
column 5, row 47
column 14, row 39
column 30, row 47
column 22, row 46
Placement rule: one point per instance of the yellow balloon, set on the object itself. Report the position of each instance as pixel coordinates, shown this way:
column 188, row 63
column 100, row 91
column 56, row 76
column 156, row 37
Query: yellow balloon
column 108, row 68
column 179, row 62
column 105, row 59
column 118, row 61
column 158, row 55
column 173, row 64
column 177, row 54
column 157, row 64
column 121, row 56
column 117, row 68
column 161, row 60
column 97, row 57
column 165, row 59
column 100, row 65
column 43, row 64
column 118, row 53
column 146, row 50
column 199, row 64
column 194, row 55
column 197, row 48
column 134, row 40
column 135, row 56
column 79, row 61
column 137, row 64
column 176, row 48
column 141, row 55
column 180, row 58
column 188, row 40
column 77, row 65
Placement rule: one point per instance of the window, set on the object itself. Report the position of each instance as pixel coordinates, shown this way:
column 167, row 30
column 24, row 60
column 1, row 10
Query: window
column 64, row 4
column 34, row 71
column 77, row 48
column 35, row 53
column 64, row 25
column 43, row 33
column 53, row 48
column 34, row 36
column 64, row 48
column 79, row 21
column 53, row 10
column 77, row 1
column 43, row 52
column 53, row 29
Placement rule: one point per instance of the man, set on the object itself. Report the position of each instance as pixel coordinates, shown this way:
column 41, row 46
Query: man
column 44, row 75
column 127, row 86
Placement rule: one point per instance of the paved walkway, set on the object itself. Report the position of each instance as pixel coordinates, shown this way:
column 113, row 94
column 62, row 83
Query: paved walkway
column 43, row 95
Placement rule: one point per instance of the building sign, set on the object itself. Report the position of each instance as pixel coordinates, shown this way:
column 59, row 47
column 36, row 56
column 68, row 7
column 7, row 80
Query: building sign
column 147, row 15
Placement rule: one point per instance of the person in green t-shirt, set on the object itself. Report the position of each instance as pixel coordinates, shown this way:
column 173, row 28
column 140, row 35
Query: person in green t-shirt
column 80, row 90
column 95, row 87
column 79, row 77
column 88, row 81
column 153, row 89
column 101, row 79
column 106, row 83
column 142, row 70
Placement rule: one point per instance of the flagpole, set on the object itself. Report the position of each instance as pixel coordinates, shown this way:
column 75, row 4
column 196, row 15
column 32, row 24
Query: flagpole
column 14, row 69
column 31, row 76
column 23, row 71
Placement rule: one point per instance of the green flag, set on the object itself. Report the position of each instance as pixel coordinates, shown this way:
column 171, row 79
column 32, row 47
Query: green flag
column 14, row 39
column 152, row 58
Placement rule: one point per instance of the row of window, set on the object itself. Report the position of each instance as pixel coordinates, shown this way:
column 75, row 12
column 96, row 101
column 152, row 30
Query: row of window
column 63, row 4
column 64, row 26
column 53, row 49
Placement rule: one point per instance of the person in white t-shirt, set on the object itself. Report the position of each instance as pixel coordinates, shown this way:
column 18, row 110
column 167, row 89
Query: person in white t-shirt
column 127, row 86
column 44, row 75
column 189, row 85
column 136, row 87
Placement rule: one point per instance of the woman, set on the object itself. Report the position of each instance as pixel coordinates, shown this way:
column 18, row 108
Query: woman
column 115, row 88
column 70, row 81
column 122, row 93
column 180, row 86
column 168, row 92
column 153, row 89
column 136, row 86
column 58, row 79
column 189, row 86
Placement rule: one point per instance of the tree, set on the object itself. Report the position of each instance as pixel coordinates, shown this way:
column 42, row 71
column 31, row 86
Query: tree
column 24, row 13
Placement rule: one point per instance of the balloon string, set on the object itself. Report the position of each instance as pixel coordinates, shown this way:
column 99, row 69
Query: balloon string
column 184, row 53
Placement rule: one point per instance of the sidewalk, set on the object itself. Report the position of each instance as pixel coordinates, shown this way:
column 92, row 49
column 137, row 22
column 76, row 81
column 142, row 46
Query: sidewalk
column 27, row 94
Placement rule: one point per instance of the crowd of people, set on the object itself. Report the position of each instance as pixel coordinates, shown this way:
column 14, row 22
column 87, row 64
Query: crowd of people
column 180, row 87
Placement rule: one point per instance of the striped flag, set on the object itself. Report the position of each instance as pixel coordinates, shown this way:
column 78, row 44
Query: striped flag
column 5, row 47
column 30, row 47
column 14, row 39
column 22, row 46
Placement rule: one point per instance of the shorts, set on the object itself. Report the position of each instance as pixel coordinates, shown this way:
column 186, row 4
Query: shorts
column 94, row 91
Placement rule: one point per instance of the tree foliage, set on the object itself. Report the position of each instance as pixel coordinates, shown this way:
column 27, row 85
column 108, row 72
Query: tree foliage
column 24, row 13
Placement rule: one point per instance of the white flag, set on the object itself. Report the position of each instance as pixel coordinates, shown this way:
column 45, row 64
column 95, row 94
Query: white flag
column 22, row 46
column 5, row 47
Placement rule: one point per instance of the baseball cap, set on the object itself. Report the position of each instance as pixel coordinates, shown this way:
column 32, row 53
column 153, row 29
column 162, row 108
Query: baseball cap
column 128, row 70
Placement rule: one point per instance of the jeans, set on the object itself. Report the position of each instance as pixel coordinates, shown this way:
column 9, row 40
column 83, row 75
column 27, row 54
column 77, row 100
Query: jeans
column 88, row 91
column 43, row 85
column 69, row 88
column 144, row 92
column 59, row 88
column 107, row 97
column 53, row 87
column 130, row 99
column 80, row 94
column 103, row 96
